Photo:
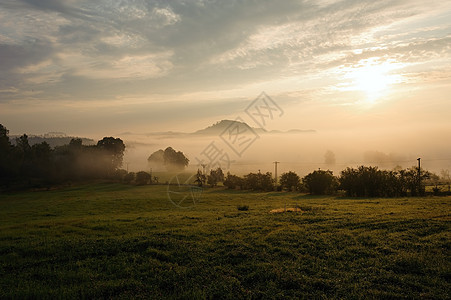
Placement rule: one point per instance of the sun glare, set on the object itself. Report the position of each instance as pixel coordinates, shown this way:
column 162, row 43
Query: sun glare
column 372, row 78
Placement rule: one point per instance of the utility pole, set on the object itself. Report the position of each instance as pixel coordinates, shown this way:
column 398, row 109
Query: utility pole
column 275, row 172
column 419, row 175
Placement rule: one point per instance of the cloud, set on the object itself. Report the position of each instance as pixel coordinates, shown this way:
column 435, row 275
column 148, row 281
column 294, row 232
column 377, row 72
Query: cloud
column 15, row 56
column 199, row 50
column 129, row 66
column 65, row 7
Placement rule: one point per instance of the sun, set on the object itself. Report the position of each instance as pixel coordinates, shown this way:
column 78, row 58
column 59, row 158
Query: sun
column 372, row 78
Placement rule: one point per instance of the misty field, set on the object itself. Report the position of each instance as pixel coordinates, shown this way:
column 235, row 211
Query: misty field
column 117, row 241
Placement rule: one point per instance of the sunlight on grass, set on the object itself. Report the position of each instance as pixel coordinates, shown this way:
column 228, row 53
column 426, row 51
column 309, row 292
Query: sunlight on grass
column 115, row 241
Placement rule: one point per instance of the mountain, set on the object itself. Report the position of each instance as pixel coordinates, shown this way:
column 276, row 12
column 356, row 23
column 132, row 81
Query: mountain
column 218, row 128
column 221, row 126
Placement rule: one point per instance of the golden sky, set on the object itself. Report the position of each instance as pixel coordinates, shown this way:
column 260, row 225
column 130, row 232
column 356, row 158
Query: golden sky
column 96, row 68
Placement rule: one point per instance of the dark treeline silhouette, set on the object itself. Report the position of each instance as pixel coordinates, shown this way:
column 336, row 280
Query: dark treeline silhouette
column 39, row 165
column 252, row 181
column 353, row 182
column 372, row 182
column 320, row 182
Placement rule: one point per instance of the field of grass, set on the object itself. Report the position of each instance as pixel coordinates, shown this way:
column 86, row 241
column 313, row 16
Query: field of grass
column 117, row 241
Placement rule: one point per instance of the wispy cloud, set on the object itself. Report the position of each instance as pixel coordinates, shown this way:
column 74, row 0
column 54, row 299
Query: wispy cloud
column 91, row 51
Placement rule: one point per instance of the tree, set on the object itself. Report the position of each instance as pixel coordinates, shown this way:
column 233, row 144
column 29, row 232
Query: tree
column 41, row 160
column 113, row 151
column 129, row 177
column 233, row 181
column 6, row 163
column 173, row 160
column 22, row 153
column 5, row 144
column 215, row 177
column 259, row 181
column 371, row 182
column 200, row 178
column 329, row 158
column 156, row 159
column 290, row 181
column 320, row 182
column 119, row 175
column 142, row 178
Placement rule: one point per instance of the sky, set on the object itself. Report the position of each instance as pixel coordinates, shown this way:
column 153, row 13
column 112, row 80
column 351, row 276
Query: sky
column 351, row 67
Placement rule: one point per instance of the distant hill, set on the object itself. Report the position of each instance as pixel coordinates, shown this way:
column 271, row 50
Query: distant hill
column 54, row 140
column 222, row 125
column 218, row 128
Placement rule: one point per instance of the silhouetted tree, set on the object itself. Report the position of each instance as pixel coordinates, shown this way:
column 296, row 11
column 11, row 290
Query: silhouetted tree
column 156, row 159
column 215, row 177
column 42, row 164
column 290, row 181
column 119, row 175
column 259, row 181
column 39, row 164
column 173, row 160
column 6, row 161
column 23, row 156
column 233, row 181
column 320, row 182
column 200, row 178
column 142, row 178
column 113, row 150
column 129, row 177
column 372, row 182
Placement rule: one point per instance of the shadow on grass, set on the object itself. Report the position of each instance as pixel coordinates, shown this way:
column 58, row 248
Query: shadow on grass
column 98, row 187
column 223, row 190
column 310, row 196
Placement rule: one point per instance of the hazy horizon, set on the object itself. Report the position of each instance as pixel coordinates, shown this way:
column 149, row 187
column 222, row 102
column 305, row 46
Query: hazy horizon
column 367, row 76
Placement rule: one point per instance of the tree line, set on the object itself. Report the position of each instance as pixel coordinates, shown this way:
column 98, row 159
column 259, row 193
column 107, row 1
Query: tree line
column 22, row 164
column 25, row 165
column 363, row 181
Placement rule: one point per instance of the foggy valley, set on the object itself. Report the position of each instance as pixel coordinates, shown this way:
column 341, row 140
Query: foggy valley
column 209, row 149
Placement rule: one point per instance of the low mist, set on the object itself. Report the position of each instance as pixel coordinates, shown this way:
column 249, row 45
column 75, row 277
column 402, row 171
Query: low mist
column 304, row 152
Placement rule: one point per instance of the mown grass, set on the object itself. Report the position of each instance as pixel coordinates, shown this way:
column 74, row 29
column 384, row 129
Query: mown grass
column 118, row 241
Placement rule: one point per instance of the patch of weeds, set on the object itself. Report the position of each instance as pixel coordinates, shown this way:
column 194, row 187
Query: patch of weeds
column 243, row 207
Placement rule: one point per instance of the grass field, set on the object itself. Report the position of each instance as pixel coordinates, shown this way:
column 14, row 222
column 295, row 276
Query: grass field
column 117, row 241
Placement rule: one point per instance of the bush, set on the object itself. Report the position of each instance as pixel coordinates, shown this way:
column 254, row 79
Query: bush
column 372, row 182
column 142, row 178
column 243, row 207
column 290, row 181
column 320, row 182
column 129, row 177
column 233, row 181
column 259, row 182
column 215, row 177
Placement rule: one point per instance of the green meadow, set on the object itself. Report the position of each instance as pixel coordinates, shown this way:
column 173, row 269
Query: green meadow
column 117, row 241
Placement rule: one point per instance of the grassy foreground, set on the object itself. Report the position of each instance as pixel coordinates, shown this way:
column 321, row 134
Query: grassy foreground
column 116, row 241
